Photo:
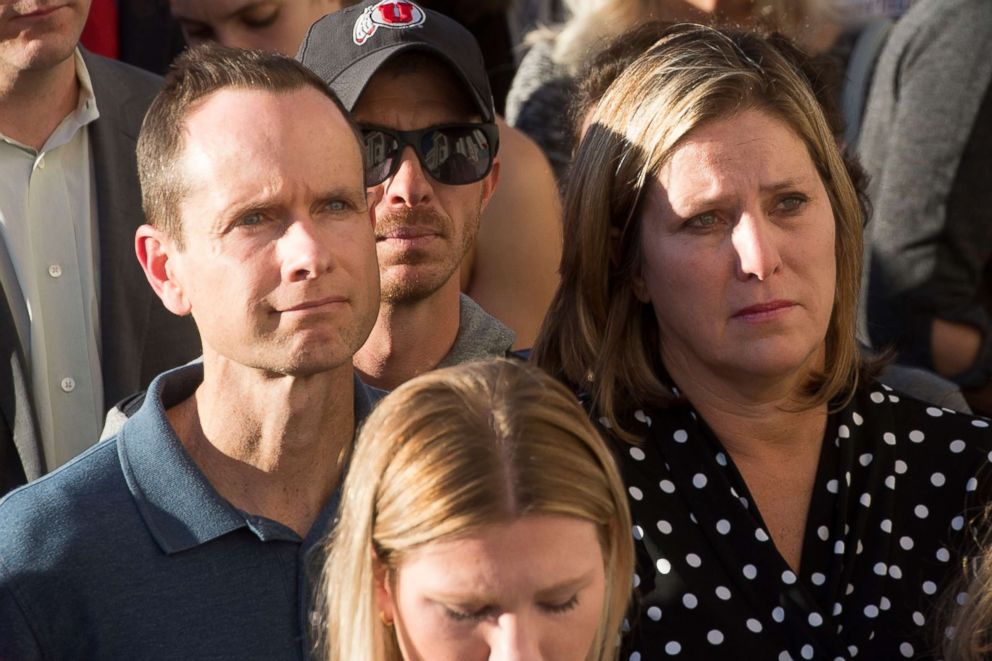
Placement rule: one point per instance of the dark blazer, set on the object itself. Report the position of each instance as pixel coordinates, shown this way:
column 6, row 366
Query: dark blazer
column 139, row 337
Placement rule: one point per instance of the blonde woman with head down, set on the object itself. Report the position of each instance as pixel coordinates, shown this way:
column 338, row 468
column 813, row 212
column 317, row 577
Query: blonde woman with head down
column 482, row 518
column 784, row 502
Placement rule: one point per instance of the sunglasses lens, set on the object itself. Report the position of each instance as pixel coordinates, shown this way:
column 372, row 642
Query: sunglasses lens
column 380, row 153
column 456, row 154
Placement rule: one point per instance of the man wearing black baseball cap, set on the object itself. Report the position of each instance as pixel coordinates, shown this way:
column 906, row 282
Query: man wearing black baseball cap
column 415, row 82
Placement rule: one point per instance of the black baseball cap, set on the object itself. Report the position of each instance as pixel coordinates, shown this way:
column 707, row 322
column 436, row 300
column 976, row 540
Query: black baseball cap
column 348, row 47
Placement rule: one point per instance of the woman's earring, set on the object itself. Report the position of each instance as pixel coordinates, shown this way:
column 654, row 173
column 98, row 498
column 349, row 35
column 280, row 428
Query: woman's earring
column 385, row 620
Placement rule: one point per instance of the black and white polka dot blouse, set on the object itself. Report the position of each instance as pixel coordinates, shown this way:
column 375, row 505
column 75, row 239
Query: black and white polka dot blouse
column 891, row 497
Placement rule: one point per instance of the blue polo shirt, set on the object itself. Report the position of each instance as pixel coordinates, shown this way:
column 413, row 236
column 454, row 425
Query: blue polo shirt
column 128, row 552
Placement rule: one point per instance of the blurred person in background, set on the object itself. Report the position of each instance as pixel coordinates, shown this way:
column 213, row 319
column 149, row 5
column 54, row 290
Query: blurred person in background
column 927, row 144
column 482, row 518
column 783, row 501
column 79, row 329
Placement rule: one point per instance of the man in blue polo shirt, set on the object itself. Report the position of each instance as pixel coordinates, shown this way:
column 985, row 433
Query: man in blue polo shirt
column 187, row 534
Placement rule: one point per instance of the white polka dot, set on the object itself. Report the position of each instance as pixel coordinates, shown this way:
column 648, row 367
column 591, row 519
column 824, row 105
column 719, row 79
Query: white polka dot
column 638, row 532
column 957, row 522
column 850, row 589
column 693, row 560
column 880, row 568
column 961, row 598
column 753, row 625
column 919, row 619
column 723, row 526
column 663, row 566
column 815, row 619
column 721, row 458
column 699, row 480
column 635, row 656
column 654, row 613
column 750, row 572
column 823, row 533
column 876, row 397
column 853, row 650
column 672, row 648
column 689, row 600
column 938, row 479
column 916, row 436
column 934, row 412
column 843, row 431
column 642, row 418
column 637, row 454
column 838, row 609
column 906, row 542
column 921, row 511
column 722, row 593
column 981, row 424
column 785, row 656
column 860, row 548
column 817, row 578
column 901, row 466
column 907, row 650
column 858, row 420
column 680, row 436
column 871, row 611
column 744, row 502
column 949, row 633
column 865, row 499
column 971, row 485
column 761, row 535
column 865, row 459
column 605, row 422
column 635, row 493
column 889, row 438
column 943, row 554
column 667, row 486
column 884, row 603
column 929, row 587
column 839, row 547
column 890, row 482
column 664, row 527
column 778, row 614
column 957, row 447
column 637, row 580
column 715, row 637
column 895, row 572
column 692, row 517
column 894, row 399
column 832, row 486
column 788, row 577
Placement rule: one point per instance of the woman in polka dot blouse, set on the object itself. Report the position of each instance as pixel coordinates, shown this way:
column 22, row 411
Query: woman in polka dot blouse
column 785, row 505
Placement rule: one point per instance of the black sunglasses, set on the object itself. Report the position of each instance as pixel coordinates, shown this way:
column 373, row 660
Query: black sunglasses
column 454, row 154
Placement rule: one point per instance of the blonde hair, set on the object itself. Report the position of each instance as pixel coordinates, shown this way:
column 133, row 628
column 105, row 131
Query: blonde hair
column 593, row 22
column 597, row 335
column 452, row 451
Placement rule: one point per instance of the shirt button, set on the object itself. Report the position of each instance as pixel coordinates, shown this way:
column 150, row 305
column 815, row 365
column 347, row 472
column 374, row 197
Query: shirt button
column 68, row 384
column 41, row 162
column 55, row 270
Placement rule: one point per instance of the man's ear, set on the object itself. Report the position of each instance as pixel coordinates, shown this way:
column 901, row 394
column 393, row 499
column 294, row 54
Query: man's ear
column 383, row 592
column 157, row 253
column 489, row 183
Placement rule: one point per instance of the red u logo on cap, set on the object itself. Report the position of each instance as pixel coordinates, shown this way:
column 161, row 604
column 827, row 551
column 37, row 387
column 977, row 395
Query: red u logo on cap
column 393, row 14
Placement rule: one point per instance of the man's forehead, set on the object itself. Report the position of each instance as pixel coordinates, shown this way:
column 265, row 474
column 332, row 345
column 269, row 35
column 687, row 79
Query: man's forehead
column 418, row 77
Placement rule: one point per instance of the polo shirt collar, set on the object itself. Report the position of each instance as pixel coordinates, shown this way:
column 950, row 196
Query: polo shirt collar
column 178, row 504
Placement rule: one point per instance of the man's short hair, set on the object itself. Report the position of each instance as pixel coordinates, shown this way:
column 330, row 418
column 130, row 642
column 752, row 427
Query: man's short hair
column 196, row 74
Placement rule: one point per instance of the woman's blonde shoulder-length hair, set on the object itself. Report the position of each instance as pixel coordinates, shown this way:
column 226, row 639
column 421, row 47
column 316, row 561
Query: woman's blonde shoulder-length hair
column 452, row 451
column 597, row 335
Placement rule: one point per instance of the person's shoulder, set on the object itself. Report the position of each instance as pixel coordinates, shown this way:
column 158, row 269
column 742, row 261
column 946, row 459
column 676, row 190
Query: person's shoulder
column 115, row 77
column 39, row 519
column 906, row 416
